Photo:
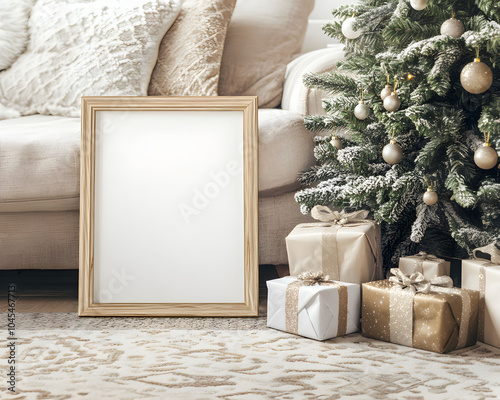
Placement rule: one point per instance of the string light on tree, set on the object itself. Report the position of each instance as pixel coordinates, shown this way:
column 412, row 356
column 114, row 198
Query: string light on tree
column 392, row 153
column 348, row 28
column 476, row 77
column 486, row 157
column 452, row 27
column 335, row 142
column 418, row 5
column 361, row 111
column 387, row 90
column 392, row 102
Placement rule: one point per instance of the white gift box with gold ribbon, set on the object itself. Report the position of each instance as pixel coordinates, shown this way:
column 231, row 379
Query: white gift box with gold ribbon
column 344, row 246
column 484, row 275
column 313, row 308
column 428, row 265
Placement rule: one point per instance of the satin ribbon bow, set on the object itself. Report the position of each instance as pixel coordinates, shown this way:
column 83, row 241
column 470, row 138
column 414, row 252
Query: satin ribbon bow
column 324, row 214
column 417, row 283
column 428, row 257
column 490, row 249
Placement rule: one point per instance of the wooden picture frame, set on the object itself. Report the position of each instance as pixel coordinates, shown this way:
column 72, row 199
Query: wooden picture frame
column 133, row 164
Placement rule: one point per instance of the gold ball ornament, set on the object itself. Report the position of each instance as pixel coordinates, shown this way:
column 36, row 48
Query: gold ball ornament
column 486, row 157
column 392, row 153
column 385, row 92
column 335, row 142
column 430, row 197
column 361, row 111
column 418, row 4
column 392, row 102
column 476, row 77
column 452, row 27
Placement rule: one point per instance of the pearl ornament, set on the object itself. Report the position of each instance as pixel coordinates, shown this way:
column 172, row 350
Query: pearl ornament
column 418, row 5
column 361, row 111
column 392, row 102
column 348, row 30
column 392, row 153
column 430, row 197
column 486, row 157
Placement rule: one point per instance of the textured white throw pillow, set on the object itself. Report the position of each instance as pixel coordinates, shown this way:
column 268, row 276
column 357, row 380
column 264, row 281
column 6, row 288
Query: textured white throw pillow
column 86, row 48
column 13, row 29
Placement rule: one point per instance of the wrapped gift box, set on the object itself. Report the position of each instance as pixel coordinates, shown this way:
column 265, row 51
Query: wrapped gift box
column 427, row 264
column 347, row 250
column 484, row 276
column 315, row 311
column 442, row 320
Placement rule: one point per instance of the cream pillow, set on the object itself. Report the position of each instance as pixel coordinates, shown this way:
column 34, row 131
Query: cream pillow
column 86, row 47
column 191, row 51
column 13, row 29
column 262, row 38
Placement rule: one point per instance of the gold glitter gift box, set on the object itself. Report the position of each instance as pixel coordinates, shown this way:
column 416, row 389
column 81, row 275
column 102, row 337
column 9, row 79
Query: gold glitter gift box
column 427, row 264
column 484, row 275
column 414, row 312
column 313, row 307
column 344, row 246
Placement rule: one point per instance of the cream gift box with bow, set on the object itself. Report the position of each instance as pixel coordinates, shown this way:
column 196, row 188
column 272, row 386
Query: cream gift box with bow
column 484, row 275
column 427, row 264
column 344, row 246
column 413, row 311
column 312, row 307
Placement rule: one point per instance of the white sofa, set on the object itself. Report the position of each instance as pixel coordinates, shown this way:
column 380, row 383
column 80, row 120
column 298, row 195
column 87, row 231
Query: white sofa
column 39, row 176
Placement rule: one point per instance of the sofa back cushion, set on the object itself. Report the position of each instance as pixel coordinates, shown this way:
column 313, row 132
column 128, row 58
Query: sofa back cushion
column 191, row 51
column 86, row 47
column 13, row 30
column 262, row 38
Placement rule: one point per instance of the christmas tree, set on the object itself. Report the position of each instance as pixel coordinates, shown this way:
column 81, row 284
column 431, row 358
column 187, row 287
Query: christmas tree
column 412, row 152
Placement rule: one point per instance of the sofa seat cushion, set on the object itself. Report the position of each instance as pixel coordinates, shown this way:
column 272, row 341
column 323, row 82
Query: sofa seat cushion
column 285, row 150
column 39, row 163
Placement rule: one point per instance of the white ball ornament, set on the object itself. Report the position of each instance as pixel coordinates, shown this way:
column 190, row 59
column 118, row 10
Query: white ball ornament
column 335, row 142
column 476, row 77
column 486, row 157
column 392, row 102
column 418, row 4
column 392, row 153
column 385, row 92
column 348, row 30
column 452, row 27
column 430, row 197
column 361, row 111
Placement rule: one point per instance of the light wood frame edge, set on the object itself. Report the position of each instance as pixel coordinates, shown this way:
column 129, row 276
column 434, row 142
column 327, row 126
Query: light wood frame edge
column 247, row 104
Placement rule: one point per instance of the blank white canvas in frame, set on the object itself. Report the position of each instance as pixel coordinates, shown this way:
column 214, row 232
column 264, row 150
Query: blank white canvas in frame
column 174, row 180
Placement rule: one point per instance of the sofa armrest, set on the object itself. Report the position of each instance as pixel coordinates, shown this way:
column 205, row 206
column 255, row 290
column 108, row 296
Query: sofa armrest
column 297, row 97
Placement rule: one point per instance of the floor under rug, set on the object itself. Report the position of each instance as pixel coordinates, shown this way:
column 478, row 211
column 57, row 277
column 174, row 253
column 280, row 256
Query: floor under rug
column 61, row 356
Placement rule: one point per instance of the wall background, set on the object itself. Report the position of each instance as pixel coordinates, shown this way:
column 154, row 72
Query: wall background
column 322, row 13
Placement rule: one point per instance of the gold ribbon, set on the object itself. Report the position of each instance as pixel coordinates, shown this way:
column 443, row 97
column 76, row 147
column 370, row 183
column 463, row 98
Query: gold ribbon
column 310, row 279
column 401, row 304
column 329, row 248
column 494, row 253
column 423, row 256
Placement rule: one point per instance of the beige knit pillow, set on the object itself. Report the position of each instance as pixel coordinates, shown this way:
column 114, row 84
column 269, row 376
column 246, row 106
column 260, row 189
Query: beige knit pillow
column 191, row 51
column 262, row 38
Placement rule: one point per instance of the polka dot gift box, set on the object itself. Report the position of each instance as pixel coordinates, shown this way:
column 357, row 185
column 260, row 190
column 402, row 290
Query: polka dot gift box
column 415, row 312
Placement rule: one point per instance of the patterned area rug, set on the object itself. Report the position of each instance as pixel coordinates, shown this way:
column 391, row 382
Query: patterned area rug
column 61, row 356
